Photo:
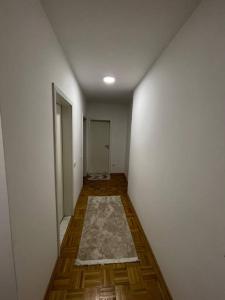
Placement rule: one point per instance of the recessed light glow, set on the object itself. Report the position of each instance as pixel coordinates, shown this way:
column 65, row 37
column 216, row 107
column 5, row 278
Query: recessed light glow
column 109, row 80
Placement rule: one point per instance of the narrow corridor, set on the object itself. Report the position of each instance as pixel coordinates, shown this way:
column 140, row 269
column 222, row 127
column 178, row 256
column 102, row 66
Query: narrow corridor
column 132, row 281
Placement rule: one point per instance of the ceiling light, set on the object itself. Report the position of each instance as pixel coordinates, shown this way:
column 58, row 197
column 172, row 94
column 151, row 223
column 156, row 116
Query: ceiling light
column 109, row 80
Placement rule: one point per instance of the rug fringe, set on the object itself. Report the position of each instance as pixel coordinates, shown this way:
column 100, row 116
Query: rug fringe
column 79, row 262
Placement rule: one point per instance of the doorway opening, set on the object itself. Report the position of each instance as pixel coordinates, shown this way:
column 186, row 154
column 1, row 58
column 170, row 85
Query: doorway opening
column 63, row 157
column 99, row 147
column 84, row 147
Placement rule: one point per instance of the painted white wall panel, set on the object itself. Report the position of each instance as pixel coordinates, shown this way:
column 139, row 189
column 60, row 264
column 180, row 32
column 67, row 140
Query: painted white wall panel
column 177, row 157
column 7, row 275
column 31, row 60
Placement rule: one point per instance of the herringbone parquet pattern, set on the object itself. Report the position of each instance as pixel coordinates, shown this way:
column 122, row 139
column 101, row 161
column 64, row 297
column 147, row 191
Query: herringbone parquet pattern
column 129, row 281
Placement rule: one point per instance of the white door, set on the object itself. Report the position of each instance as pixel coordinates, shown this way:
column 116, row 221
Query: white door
column 99, row 146
column 59, row 163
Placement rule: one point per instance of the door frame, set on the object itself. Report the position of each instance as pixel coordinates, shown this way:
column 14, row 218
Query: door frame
column 88, row 142
column 58, row 97
column 85, row 145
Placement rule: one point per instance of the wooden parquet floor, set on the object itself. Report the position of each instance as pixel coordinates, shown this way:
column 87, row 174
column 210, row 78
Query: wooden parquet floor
column 127, row 281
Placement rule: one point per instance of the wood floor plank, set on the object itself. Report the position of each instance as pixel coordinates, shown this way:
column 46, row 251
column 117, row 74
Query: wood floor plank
column 126, row 281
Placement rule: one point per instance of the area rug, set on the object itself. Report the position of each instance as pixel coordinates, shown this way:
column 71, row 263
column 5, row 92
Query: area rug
column 106, row 236
column 98, row 176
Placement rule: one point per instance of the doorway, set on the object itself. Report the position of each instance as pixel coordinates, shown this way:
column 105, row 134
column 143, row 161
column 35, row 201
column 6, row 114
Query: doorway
column 99, row 147
column 59, row 161
column 63, row 157
column 84, row 146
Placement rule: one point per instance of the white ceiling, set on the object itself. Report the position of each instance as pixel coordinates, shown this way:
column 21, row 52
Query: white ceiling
column 116, row 37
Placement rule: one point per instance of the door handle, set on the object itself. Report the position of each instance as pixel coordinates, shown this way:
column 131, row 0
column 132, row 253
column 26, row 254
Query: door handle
column 107, row 146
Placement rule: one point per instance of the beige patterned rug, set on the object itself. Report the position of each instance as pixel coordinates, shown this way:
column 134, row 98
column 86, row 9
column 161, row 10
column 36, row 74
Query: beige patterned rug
column 99, row 176
column 106, row 236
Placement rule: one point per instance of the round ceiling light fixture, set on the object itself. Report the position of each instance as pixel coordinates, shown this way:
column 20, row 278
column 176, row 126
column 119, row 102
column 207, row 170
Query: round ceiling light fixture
column 109, row 80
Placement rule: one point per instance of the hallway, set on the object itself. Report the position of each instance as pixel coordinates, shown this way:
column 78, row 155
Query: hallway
column 132, row 89
column 131, row 281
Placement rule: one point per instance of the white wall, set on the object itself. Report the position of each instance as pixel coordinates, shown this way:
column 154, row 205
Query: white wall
column 7, row 275
column 117, row 114
column 31, row 59
column 177, row 158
